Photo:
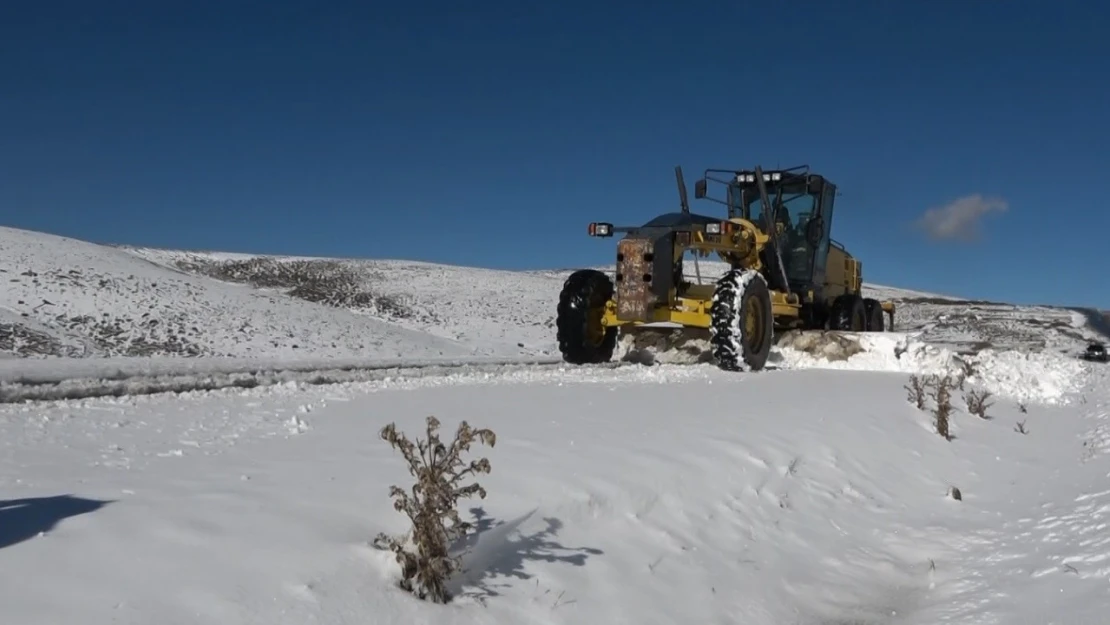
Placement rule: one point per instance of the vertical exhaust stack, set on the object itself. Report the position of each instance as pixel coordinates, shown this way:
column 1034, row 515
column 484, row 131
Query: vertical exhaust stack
column 684, row 202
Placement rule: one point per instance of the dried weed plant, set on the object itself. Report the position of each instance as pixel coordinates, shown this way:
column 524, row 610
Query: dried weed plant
column 916, row 389
column 423, row 552
column 942, row 395
column 977, row 403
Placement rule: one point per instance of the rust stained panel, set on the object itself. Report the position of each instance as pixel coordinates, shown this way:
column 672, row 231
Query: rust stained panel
column 634, row 297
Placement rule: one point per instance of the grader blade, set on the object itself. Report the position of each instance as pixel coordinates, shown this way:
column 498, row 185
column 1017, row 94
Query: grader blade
column 650, row 345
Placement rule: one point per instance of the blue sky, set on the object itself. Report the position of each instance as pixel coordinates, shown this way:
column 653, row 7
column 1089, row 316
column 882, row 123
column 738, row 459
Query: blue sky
column 491, row 134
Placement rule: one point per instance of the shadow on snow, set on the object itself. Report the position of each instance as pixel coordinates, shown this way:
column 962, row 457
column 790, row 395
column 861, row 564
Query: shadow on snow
column 500, row 550
column 21, row 519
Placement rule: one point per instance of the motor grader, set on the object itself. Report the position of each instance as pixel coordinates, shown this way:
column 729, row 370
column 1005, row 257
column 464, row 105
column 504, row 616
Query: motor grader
column 783, row 272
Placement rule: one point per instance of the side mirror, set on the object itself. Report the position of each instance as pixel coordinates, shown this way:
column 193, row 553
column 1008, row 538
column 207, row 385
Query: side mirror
column 699, row 189
column 815, row 230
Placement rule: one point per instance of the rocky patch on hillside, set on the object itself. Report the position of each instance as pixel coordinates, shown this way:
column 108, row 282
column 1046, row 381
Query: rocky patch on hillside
column 329, row 282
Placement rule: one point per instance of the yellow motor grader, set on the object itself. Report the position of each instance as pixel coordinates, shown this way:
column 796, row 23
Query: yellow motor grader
column 784, row 272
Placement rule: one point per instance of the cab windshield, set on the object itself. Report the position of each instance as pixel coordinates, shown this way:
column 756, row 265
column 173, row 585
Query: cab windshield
column 794, row 209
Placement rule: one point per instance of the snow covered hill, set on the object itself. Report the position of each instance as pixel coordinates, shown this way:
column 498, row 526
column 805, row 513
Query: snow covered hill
column 65, row 297
column 813, row 493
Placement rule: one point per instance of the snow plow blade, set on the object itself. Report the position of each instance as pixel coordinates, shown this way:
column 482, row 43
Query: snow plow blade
column 650, row 345
column 654, row 345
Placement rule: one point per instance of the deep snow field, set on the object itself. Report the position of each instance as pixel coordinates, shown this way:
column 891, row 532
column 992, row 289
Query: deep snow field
column 810, row 493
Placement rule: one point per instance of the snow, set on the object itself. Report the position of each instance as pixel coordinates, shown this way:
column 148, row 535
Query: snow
column 610, row 500
column 1043, row 377
column 164, row 475
column 93, row 300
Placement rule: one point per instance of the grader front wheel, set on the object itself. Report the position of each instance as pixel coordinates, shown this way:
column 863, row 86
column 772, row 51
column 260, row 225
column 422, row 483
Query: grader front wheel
column 741, row 323
column 582, row 338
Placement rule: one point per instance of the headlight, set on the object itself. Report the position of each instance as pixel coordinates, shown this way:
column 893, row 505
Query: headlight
column 601, row 229
column 713, row 228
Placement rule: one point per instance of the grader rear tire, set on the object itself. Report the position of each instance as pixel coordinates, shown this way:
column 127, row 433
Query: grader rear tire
column 582, row 338
column 848, row 314
column 874, row 313
column 741, row 322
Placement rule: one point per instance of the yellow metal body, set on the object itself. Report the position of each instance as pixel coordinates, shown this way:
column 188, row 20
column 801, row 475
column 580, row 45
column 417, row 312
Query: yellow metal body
column 843, row 273
column 740, row 244
column 692, row 309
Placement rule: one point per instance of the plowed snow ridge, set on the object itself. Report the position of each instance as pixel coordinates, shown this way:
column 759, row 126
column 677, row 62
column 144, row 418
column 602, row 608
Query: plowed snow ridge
column 1024, row 377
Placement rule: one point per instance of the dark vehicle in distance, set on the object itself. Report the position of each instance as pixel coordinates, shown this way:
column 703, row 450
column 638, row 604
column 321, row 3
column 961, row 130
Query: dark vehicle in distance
column 1096, row 352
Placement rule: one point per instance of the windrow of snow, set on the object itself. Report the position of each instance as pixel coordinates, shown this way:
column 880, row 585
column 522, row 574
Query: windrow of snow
column 1021, row 376
column 81, row 378
column 1039, row 378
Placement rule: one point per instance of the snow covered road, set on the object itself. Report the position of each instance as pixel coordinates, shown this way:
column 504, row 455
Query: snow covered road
column 648, row 495
column 1017, row 374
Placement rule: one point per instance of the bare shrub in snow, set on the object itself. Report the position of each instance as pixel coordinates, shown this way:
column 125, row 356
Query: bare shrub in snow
column 917, row 388
column 1020, row 427
column 977, row 403
column 942, row 395
column 423, row 552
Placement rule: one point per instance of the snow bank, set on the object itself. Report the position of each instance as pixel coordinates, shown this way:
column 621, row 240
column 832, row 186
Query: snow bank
column 73, row 378
column 1028, row 376
column 1021, row 376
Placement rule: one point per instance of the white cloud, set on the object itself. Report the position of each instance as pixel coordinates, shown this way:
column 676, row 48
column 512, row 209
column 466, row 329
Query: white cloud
column 959, row 219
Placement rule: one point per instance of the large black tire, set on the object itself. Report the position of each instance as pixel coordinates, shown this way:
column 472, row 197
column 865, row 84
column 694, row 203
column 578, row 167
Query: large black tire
column 582, row 338
column 741, row 322
column 874, row 313
column 848, row 314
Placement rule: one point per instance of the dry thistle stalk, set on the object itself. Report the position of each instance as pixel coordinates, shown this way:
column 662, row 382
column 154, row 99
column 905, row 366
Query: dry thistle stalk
column 431, row 505
column 977, row 403
column 916, row 389
column 943, row 410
